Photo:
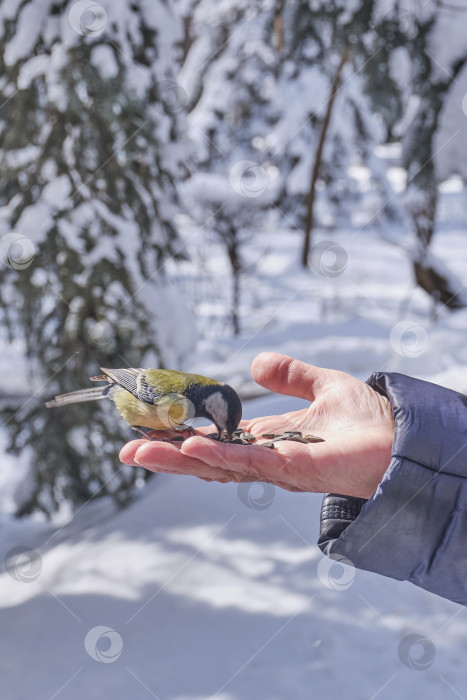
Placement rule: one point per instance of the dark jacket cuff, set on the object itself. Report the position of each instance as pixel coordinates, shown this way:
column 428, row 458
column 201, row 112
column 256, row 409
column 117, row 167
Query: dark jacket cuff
column 414, row 527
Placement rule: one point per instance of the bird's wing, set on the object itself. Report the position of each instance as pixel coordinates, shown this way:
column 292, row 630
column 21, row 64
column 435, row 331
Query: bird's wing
column 134, row 381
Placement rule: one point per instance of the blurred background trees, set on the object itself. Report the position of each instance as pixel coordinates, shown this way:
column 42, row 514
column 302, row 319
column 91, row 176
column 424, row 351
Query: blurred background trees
column 91, row 151
column 240, row 115
column 308, row 91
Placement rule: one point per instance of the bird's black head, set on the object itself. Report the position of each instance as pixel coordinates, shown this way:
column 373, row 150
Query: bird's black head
column 221, row 404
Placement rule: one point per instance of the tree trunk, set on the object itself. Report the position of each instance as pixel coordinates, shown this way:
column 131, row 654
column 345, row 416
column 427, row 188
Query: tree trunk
column 437, row 285
column 318, row 158
column 278, row 26
column 236, row 269
column 422, row 185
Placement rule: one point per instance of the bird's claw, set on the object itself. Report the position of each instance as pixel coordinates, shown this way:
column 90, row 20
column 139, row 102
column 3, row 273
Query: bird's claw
column 186, row 429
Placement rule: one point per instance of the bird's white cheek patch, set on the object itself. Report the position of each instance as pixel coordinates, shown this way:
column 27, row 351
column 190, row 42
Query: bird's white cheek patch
column 217, row 407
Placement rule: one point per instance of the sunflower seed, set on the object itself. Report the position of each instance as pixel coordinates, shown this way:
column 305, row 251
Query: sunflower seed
column 245, row 438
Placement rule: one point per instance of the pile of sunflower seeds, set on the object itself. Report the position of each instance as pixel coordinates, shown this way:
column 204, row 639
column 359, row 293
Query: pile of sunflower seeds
column 241, row 438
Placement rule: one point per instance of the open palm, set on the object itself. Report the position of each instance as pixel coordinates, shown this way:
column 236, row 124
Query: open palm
column 356, row 423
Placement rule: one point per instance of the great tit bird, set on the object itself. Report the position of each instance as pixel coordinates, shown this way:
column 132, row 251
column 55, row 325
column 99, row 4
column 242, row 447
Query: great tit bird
column 162, row 399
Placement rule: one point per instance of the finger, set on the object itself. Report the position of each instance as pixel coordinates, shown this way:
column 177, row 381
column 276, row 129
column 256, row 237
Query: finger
column 290, row 465
column 128, row 451
column 251, row 460
column 167, row 458
column 285, row 375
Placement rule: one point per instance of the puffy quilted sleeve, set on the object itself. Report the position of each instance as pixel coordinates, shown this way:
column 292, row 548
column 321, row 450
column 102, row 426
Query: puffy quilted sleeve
column 414, row 527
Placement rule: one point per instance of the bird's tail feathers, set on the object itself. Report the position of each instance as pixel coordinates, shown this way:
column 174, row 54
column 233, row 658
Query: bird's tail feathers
column 91, row 394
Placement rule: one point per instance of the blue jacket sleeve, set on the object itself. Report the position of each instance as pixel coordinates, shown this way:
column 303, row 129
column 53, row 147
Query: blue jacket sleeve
column 414, row 527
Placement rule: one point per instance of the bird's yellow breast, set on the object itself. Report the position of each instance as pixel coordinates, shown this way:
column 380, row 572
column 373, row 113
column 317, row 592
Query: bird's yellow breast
column 169, row 412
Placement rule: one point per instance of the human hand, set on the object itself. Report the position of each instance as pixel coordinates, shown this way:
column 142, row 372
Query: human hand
column 355, row 421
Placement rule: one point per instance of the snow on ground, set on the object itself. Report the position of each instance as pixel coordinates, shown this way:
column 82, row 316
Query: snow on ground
column 200, row 590
column 211, row 598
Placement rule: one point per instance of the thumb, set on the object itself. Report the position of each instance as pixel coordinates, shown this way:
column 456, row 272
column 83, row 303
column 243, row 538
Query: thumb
column 285, row 375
